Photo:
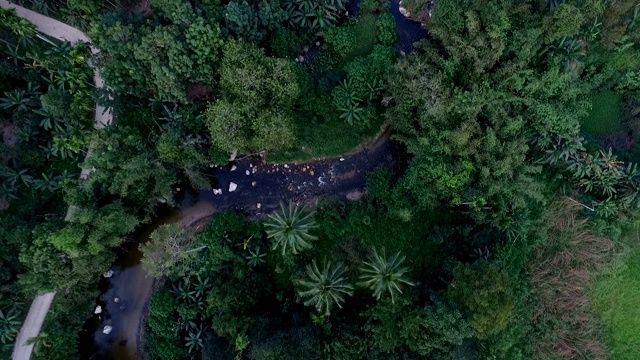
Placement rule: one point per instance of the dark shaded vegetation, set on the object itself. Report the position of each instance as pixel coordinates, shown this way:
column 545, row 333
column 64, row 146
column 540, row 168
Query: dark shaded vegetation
column 505, row 108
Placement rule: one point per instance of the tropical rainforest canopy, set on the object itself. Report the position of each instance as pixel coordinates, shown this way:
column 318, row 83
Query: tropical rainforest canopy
column 516, row 185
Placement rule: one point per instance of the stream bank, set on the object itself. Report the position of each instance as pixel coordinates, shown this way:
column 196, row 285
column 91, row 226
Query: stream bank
column 259, row 189
column 247, row 185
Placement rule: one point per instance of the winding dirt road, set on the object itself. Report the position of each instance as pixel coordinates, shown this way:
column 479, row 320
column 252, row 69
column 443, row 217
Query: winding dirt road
column 103, row 117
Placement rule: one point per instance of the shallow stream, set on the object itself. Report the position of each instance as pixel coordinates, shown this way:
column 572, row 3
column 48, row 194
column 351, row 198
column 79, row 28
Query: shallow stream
column 259, row 189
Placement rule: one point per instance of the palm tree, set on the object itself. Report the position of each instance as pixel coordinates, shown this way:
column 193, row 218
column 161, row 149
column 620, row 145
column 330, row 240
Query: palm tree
column 184, row 292
column 384, row 274
column 195, row 339
column 14, row 98
column 202, row 286
column 13, row 176
column 255, row 258
column 7, row 192
column 48, row 182
column 290, row 228
column 9, row 325
column 41, row 343
column 326, row 287
column 351, row 113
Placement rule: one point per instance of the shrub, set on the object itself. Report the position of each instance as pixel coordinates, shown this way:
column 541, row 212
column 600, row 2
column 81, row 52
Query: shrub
column 387, row 30
column 340, row 40
column 485, row 291
column 286, row 43
column 162, row 340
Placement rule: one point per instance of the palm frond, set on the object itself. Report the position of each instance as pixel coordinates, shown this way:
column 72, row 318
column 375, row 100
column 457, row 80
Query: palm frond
column 384, row 274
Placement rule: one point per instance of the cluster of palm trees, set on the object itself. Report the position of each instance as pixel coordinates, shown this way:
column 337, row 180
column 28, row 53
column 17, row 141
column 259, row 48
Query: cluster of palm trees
column 193, row 293
column 328, row 285
column 59, row 135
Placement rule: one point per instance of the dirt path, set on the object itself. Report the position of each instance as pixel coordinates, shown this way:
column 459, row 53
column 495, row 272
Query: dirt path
column 103, row 117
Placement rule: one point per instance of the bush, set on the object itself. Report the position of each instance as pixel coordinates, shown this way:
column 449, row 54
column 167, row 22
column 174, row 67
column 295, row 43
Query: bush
column 340, row 40
column 387, row 30
column 286, row 43
column 163, row 341
column 485, row 291
column 605, row 115
column 373, row 6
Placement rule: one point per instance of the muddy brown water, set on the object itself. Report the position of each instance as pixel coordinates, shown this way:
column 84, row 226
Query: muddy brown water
column 260, row 189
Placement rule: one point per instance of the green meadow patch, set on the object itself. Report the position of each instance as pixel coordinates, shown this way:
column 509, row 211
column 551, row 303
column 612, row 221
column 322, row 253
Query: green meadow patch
column 616, row 300
column 606, row 114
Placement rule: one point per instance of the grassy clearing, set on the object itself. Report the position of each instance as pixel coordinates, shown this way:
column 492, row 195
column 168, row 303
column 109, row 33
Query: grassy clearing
column 562, row 271
column 616, row 296
column 606, row 114
column 366, row 32
column 328, row 139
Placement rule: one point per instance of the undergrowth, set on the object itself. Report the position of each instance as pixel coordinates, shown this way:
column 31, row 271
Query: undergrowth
column 562, row 270
column 615, row 299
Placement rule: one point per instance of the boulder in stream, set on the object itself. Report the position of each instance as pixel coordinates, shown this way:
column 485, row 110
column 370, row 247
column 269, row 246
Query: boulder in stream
column 98, row 310
column 108, row 274
column 107, row 330
column 232, row 186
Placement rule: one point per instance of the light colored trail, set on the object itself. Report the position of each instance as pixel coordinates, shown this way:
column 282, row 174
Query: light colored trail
column 103, row 117
column 31, row 326
column 64, row 32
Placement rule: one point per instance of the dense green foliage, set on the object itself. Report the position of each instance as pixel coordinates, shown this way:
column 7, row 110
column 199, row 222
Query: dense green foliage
column 505, row 107
column 611, row 295
column 605, row 115
column 290, row 229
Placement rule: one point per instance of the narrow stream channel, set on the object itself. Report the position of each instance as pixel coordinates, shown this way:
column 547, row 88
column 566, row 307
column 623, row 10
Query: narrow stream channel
column 259, row 189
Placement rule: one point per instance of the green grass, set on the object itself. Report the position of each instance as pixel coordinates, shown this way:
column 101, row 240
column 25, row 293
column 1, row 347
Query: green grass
column 328, row 139
column 366, row 32
column 606, row 113
column 616, row 300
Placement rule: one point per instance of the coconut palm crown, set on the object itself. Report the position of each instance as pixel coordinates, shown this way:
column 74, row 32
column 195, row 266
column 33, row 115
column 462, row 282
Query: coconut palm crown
column 290, row 228
column 325, row 287
column 384, row 274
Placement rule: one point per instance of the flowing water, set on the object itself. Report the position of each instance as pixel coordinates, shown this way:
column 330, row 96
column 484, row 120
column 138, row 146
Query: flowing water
column 259, row 189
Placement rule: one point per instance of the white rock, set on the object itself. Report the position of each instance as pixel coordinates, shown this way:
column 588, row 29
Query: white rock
column 258, row 205
column 232, row 186
column 341, row 159
column 116, row 299
column 253, row 183
column 177, row 189
column 98, row 310
column 211, row 166
column 107, row 329
column 247, row 172
column 233, row 155
column 108, row 274
column 233, row 168
column 286, row 166
column 217, row 191
column 404, row 12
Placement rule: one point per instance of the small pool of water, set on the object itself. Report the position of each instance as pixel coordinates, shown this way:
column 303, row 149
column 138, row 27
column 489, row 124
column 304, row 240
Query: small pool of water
column 408, row 31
